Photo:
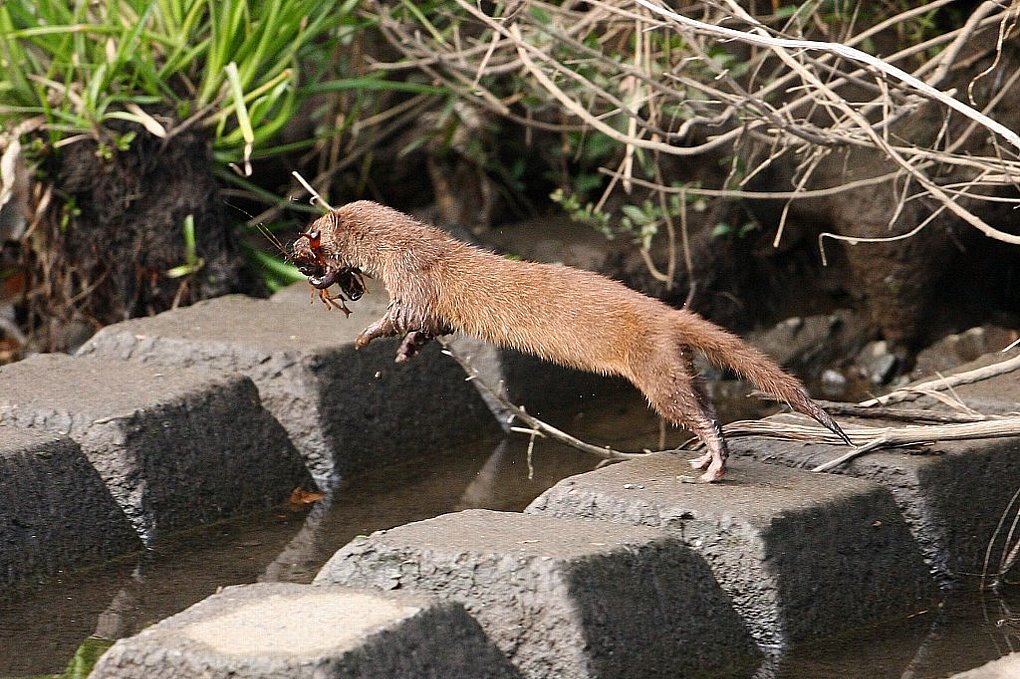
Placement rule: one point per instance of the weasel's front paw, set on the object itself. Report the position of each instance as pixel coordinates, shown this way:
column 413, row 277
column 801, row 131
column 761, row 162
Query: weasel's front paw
column 411, row 345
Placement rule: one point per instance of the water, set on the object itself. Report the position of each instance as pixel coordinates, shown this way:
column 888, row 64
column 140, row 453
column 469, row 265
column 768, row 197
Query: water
column 42, row 627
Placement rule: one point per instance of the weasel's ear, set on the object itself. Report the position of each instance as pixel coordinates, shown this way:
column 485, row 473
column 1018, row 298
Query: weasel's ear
column 332, row 218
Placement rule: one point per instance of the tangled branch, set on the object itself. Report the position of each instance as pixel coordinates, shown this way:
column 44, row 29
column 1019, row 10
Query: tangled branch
column 660, row 81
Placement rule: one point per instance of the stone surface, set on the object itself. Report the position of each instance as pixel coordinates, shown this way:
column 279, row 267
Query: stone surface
column 952, row 493
column 1007, row 667
column 802, row 555
column 808, row 345
column 295, row 631
column 563, row 598
column 345, row 410
column 175, row 447
column 55, row 511
column 951, row 351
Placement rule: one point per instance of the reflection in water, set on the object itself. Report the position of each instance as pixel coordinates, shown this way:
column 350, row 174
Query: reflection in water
column 958, row 634
column 484, row 489
column 291, row 563
column 42, row 628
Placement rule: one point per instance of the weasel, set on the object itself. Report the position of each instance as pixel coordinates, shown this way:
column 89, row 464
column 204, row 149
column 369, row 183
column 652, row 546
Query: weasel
column 576, row 318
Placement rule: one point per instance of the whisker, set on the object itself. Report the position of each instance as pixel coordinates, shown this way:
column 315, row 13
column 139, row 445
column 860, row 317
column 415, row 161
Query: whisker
column 263, row 229
column 271, row 238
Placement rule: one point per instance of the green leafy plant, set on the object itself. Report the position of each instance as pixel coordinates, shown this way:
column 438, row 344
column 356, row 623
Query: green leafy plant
column 583, row 212
column 192, row 262
column 237, row 69
column 229, row 65
column 724, row 230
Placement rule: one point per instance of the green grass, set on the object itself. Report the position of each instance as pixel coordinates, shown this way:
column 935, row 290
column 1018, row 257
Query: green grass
column 232, row 66
column 239, row 69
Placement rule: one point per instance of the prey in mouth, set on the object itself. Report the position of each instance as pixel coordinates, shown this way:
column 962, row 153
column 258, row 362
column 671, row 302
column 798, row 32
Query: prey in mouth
column 307, row 255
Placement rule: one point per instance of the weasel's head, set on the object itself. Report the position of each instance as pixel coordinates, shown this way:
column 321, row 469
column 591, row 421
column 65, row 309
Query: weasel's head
column 318, row 254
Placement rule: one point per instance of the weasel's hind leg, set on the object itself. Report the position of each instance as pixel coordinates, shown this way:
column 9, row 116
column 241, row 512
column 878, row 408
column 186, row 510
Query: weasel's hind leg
column 704, row 423
column 676, row 393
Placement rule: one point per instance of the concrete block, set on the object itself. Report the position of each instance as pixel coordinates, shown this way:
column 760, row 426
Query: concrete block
column 563, row 599
column 802, row 555
column 952, row 494
column 175, row 447
column 345, row 410
column 1006, row 667
column 301, row 631
column 55, row 511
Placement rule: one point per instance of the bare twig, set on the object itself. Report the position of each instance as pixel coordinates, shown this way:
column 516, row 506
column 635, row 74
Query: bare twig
column 851, row 53
column 905, row 414
column 787, row 428
column 316, row 198
column 872, row 438
column 618, row 87
column 1008, row 558
column 536, row 427
column 919, row 435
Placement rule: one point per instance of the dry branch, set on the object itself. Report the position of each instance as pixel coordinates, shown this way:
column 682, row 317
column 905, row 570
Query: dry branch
column 851, row 53
column 536, row 427
column 586, row 86
column 872, row 438
column 943, row 383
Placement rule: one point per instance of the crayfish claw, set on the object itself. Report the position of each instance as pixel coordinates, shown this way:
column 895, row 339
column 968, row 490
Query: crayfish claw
column 334, row 302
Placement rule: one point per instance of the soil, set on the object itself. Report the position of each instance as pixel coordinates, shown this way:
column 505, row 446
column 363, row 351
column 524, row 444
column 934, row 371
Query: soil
column 109, row 260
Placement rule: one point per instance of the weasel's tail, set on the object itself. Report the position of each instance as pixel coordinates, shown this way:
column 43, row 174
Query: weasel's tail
column 727, row 350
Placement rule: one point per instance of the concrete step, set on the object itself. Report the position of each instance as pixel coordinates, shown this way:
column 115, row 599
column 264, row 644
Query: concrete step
column 802, row 555
column 952, row 493
column 176, row 447
column 345, row 410
column 563, row 598
column 55, row 511
column 301, row 631
column 1006, row 667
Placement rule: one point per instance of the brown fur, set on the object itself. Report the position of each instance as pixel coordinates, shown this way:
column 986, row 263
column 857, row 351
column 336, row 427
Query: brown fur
column 575, row 318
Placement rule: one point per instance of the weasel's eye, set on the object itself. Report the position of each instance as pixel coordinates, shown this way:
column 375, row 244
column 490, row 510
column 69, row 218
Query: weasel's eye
column 313, row 238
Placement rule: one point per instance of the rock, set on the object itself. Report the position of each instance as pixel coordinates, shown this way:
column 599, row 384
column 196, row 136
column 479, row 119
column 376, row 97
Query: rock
column 877, row 364
column 345, row 410
column 563, row 599
column 834, row 384
column 1006, row 667
column 55, row 511
column 954, row 350
column 808, row 346
column 176, row 447
column 300, row 631
column 951, row 493
column 802, row 555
